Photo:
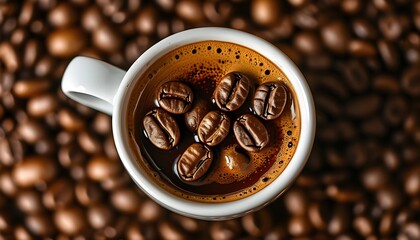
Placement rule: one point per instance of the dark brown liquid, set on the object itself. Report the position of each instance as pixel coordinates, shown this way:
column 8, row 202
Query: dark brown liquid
column 201, row 66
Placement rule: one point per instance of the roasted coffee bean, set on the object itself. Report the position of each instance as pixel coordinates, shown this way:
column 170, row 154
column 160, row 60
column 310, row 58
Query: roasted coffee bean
column 363, row 225
column 375, row 126
column 117, row 181
column 7, row 184
column 169, row 230
column 44, row 66
column 66, row 42
column 91, row 18
column 26, row 88
column 20, row 232
column 343, row 193
column 265, row 12
column 12, row 150
column 70, row 155
column 188, row 224
column 190, row 10
column 150, row 211
column 335, row 36
column 100, row 215
column 213, row 128
column 161, row 129
column 9, row 56
column 107, row 38
column 59, row 194
column 364, row 29
column 42, row 105
column 395, row 110
column 363, row 106
column 146, row 20
column 102, row 123
column 125, row 200
column 282, row 30
column 40, row 225
column 89, row 142
column 391, row 26
column 269, row 100
column 31, row 53
column 27, row 13
column 291, row 52
column 175, row 97
column 70, row 220
column 88, row 193
column 299, row 226
column 217, row 12
column 31, row 131
column 319, row 214
column 257, row 224
column 351, row 6
column 29, row 201
column 328, row 104
column 306, row 17
column 110, row 149
column 340, row 220
column 410, row 81
column 361, row 48
column 225, row 230
column 387, row 223
column 194, row 116
column 389, row 197
column 356, row 75
column 236, row 161
column 296, row 202
column 33, row 170
column 138, row 231
column 389, row 53
column 100, row 168
column 307, row 42
column 18, row 36
column 412, row 181
column 250, row 133
column 63, row 15
column 386, row 83
column 194, row 162
column 232, row 91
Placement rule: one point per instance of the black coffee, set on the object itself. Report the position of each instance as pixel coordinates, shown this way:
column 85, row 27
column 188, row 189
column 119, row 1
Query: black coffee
column 247, row 154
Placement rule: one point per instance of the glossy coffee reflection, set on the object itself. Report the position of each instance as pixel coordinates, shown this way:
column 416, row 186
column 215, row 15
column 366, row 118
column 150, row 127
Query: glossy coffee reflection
column 238, row 120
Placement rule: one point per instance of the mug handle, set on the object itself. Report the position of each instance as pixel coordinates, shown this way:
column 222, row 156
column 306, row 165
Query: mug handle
column 92, row 82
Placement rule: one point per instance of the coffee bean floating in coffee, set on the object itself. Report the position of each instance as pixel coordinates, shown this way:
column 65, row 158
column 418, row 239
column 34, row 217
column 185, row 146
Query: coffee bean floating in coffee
column 196, row 114
column 250, row 133
column 231, row 92
column 175, row 97
column 161, row 129
column 214, row 128
column 269, row 100
column 194, row 162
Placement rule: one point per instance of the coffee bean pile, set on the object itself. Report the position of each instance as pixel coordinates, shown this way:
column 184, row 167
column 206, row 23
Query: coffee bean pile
column 60, row 176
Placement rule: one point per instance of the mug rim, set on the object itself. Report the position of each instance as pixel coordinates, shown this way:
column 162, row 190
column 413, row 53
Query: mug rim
column 223, row 210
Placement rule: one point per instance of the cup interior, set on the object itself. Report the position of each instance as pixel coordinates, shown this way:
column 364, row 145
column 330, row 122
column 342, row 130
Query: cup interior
column 225, row 210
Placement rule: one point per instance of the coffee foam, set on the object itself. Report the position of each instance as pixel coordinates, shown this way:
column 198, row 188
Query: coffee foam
column 204, row 64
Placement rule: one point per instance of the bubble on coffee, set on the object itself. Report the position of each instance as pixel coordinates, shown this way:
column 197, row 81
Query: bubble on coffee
column 234, row 172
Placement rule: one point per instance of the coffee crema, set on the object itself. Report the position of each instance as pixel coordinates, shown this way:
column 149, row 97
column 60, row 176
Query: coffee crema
column 234, row 173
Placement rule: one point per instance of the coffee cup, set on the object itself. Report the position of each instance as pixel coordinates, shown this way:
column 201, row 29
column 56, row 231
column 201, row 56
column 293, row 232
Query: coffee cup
column 109, row 89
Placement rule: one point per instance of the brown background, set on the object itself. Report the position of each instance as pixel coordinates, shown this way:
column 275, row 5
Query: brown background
column 60, row 176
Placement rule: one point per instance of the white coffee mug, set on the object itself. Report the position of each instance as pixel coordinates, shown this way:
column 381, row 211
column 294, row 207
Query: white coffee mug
column 105, row 88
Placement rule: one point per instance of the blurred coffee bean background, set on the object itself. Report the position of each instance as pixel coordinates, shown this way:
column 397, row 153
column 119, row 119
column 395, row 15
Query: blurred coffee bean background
column 60, row 175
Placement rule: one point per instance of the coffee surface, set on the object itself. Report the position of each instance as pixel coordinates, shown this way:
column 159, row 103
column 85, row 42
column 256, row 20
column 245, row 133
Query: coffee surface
column 234, row 172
